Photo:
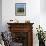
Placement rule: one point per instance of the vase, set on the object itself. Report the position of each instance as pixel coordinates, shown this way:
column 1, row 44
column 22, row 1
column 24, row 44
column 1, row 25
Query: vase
column 41, row 43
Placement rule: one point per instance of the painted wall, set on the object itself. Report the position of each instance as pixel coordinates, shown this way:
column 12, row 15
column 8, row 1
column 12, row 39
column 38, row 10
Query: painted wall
column 0, row 15
column 33, row 13
column 43, row 14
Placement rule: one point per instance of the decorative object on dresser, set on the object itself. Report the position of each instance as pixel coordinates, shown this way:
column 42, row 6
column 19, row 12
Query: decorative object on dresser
column 22, row 33
column 27, row 21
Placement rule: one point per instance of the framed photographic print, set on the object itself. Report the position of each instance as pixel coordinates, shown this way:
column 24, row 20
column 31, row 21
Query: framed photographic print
column 20, row 9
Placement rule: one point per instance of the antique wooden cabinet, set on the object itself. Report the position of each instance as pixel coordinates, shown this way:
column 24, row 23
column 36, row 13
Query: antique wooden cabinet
column 22, row 33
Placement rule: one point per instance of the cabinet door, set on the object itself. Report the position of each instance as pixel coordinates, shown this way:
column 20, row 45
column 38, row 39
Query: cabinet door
column 20, row 37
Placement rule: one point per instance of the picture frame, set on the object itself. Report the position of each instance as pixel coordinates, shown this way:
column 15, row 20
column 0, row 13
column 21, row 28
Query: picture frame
column 20, row 9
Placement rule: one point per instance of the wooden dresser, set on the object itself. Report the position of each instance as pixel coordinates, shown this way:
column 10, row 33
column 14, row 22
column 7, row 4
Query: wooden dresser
column 22, row 33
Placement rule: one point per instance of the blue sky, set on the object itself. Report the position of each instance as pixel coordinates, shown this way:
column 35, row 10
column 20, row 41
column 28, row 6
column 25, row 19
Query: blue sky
column 20, row 5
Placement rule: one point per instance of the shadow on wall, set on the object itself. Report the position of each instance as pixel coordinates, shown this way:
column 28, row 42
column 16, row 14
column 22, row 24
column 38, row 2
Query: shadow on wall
column 0, row 15
column 43, row 6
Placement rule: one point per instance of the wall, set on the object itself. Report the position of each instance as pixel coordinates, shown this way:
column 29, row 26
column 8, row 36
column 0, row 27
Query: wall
column 33, row 13
column 43, row 14
column 0, row 15
column 43, row 6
